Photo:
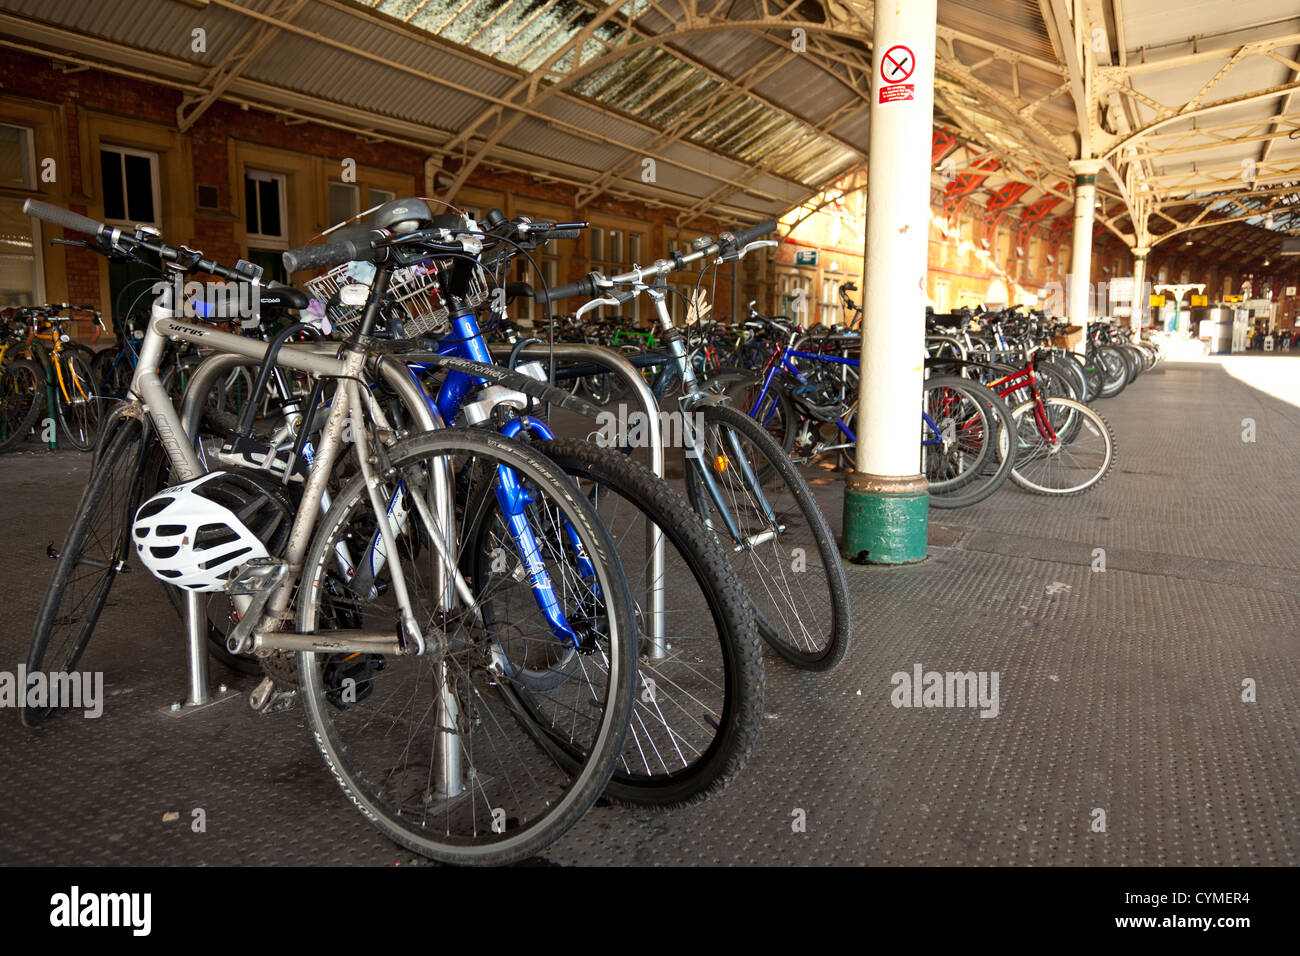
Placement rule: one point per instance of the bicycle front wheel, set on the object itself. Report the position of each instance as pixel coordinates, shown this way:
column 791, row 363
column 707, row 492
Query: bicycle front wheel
column 95, row 549
column 783, row 550
column 492, row 744
column 1064, row 448
column 77, row 399
column 699, row 699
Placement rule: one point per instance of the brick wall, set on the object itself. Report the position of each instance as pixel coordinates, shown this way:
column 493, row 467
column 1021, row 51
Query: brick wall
column 215, row 230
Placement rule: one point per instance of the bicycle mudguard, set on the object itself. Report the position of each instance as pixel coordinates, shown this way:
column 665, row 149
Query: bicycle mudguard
column 499, row 375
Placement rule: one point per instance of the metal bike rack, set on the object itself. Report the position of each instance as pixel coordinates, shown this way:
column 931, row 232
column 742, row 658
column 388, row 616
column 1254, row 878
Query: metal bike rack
column 618, row 364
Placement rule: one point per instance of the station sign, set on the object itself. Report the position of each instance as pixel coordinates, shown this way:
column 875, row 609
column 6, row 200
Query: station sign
column 805, row 257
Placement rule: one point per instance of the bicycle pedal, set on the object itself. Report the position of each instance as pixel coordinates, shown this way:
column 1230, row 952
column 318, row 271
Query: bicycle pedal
column 258, row 576
column 267, row 699
column 51, row 552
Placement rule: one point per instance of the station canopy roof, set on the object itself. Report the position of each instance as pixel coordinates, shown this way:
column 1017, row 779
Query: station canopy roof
column 749, row 107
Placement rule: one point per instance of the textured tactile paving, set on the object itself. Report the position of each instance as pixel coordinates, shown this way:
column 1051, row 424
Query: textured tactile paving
column 1118, row 690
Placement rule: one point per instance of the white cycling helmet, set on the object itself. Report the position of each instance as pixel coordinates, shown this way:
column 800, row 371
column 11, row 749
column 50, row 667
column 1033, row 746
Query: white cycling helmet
column 198, row 534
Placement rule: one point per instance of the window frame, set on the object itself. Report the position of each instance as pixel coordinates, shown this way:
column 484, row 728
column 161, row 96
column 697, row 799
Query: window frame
column 37, row 235
column 354, row 188
column 260, row 240
column 155, row 177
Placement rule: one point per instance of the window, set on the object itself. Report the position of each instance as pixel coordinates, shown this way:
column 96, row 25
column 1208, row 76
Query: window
column 832, row 309
column 264, row 209
column 377, row 197
column 612, row 251
column 941, row 296
column 17, row 157
column 22, row 275
column 550, row 267
column 130, row 178
column 345, row 202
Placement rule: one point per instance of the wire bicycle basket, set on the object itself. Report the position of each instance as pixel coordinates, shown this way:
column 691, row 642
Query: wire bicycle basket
column 412, row 289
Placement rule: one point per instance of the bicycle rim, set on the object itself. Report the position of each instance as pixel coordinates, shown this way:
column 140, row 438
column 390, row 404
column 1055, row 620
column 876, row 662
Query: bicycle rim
column 1081, row 455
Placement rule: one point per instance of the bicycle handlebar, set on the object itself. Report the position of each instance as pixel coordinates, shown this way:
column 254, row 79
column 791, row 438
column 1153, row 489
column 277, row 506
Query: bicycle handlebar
column 333, row 253
column 746, row 236
column 592, row 284
column 65, row 218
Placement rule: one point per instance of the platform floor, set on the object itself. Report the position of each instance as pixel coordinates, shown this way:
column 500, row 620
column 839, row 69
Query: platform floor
column 1120, row 691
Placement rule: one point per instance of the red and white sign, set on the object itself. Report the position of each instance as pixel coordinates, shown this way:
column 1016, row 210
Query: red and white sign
column 896, row 93
column 897, row 64
column 896, row 67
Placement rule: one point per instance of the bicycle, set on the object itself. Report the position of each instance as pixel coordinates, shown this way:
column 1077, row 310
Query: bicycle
column 22, row 386
column 381, row 609
column 698, row 704
column 740, row 480
column 78, row 408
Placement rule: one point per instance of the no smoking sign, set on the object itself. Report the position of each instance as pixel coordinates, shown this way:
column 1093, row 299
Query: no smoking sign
column 896, row 66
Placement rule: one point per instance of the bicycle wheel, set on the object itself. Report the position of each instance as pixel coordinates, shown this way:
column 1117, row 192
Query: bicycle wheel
column 490, row 703
column 699, row 705
column 1114, row 370
column 95, row 549
column 783, row 548
column 22, row 399
column 1070, row 457
column 77, row 402
column 976, row 452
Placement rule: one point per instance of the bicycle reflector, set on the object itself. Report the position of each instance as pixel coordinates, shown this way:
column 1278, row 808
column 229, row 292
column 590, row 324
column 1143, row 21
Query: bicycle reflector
column 720, row 464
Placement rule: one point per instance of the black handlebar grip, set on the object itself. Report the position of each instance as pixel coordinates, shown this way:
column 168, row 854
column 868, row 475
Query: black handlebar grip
column 63, row 217
column 746, row 236
column 561, row 234
column 325, row 256
column 583, row 287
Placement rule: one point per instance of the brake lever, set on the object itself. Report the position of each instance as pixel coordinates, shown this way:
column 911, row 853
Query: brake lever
column 756, row 244
column 595, row 304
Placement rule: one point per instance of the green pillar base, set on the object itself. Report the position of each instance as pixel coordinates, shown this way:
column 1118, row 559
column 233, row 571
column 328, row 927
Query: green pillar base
column 885, row 519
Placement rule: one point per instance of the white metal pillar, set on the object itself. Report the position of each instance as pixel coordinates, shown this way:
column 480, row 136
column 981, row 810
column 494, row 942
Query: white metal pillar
column 886, row 503
column 1079, row 280
column 1141, row 298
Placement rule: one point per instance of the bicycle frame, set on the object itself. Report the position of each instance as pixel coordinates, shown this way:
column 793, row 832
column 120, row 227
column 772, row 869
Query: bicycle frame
column 783, row 363
column 148, row 399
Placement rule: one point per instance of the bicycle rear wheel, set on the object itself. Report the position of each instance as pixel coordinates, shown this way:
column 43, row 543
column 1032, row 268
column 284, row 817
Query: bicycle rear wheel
column 699, row 706
column 491, row 745
column 976, row 458
column 782, row 546
column 95, row 549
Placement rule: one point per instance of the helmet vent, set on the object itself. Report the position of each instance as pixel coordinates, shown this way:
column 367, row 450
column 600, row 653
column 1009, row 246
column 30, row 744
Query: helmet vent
column 222, row 559
column 213, row 536
column 151, row 508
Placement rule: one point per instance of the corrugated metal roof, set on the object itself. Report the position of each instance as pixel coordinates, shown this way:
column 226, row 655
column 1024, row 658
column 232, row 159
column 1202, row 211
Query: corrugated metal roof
column 1016, row 24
